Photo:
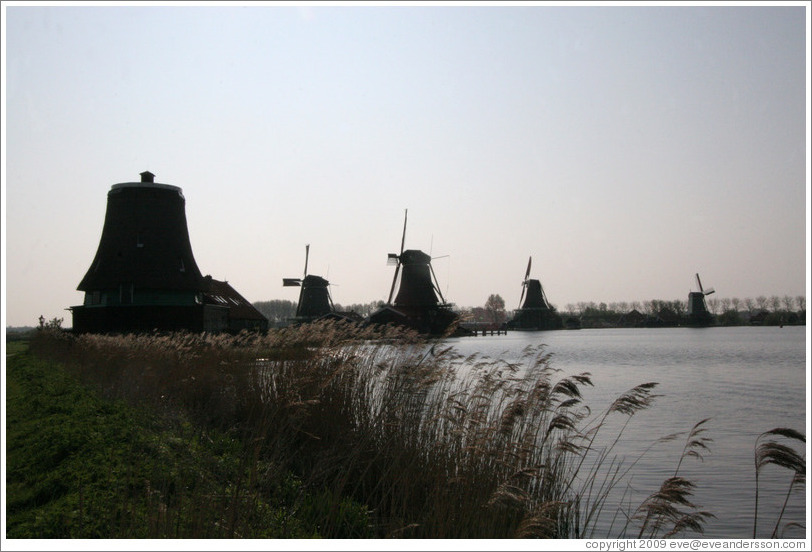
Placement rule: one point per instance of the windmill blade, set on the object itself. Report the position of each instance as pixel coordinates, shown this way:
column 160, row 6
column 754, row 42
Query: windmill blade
column 436, row 284
column 524, row 282
column 699, row 283
column 394, row 281
column 289, row 282
column 403, row 239
column 307, row 256
column 709, row 291
column 392, row 259
column 440, row 257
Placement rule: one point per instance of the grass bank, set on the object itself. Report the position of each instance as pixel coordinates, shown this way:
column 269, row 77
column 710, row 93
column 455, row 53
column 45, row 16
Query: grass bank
column 81, row 466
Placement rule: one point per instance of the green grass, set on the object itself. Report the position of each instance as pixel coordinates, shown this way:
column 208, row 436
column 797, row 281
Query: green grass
column 82, row 467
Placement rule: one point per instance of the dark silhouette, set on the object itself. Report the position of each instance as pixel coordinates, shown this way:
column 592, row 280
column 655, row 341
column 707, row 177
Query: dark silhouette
column 535, row 312
column 144, row 276
column 698, row 314
column 315, row 301
column 419, row 303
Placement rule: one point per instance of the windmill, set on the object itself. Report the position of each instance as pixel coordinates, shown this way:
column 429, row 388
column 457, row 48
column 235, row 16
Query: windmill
column 536, row 299
column 419, row 303
column 418, row 283
column 697, row 309
column 314, row 297
column 534, row 312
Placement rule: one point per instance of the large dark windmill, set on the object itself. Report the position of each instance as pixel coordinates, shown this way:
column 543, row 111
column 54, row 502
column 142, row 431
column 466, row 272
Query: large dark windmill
column 535, row 312
column 314, row 297
column 144, row 276
column 698, row 314
column 419, row 303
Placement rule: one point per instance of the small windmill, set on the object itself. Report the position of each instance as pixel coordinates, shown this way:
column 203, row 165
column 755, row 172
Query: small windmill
column 534, row 311
column 697, row 309
column 314, row 297
column 536, row 298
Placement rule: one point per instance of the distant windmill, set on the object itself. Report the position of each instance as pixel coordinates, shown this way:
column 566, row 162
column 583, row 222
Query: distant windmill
column 419, row 303
column 698, row 314
column 534, row 312
column 536, row 299
column 314, row 297
column 418, row 283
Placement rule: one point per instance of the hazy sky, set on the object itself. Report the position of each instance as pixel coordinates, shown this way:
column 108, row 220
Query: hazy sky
column 624, row 148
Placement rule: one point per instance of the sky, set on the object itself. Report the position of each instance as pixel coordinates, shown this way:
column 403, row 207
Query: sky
column 624, row 148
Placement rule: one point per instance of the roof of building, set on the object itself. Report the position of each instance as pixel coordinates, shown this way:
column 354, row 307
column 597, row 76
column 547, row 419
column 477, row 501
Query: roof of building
column 221, row 293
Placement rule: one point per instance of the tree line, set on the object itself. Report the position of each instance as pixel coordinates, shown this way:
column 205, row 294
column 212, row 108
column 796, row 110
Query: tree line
column 729, row 311
column 279, row 312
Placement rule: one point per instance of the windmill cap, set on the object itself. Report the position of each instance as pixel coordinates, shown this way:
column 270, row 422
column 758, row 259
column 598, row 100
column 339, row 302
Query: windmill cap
column 147, row 181
column 415, row 256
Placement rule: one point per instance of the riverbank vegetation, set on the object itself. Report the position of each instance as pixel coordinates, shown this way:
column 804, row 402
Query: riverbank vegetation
column 759, row 311
column 323, row 430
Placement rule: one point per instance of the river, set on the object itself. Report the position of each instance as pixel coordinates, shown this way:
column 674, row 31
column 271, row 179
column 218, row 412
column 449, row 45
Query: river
column 746, row 380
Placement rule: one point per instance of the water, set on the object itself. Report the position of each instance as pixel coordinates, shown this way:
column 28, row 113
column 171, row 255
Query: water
column 747, row 380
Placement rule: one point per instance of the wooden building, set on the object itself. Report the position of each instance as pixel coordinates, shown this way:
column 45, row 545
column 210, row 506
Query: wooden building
column 144, row 276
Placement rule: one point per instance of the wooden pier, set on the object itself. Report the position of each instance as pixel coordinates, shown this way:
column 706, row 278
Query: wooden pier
column 488, row 332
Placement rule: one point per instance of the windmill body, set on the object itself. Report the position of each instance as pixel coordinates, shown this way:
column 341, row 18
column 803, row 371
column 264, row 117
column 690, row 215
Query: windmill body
column 416, row 285
column 314, row 298
column 535, row 312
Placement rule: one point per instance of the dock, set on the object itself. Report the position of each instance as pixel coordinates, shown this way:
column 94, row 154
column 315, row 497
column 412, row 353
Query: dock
column 488, row 332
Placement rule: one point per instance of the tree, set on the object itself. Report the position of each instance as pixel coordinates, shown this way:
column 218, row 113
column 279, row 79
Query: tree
column 495, row 307
column 749, row 304
column 801, row 302
column 775, row 303
column 53, row 324
column 277, row 311
column 736, row 303
column 788, row 303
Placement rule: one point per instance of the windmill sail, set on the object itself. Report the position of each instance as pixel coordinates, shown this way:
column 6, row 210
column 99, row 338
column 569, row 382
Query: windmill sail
column 524, row 282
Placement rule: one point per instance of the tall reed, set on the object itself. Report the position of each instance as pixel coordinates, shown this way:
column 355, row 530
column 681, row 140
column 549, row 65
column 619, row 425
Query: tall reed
column 775, row 447
column 435, row 444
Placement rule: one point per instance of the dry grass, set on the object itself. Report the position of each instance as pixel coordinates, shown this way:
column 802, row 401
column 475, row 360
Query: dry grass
column 436, row 445
column 775, row 447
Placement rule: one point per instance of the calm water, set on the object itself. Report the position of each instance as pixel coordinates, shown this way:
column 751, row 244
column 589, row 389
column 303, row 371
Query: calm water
column 746, row 380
